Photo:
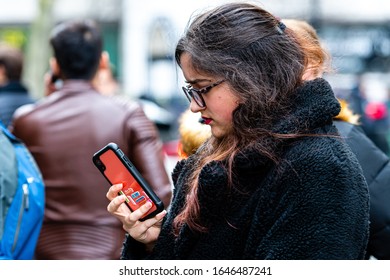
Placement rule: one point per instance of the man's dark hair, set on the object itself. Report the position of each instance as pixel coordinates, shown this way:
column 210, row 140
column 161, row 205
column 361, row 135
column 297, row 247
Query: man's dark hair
column 77, row 47
column 12, row 60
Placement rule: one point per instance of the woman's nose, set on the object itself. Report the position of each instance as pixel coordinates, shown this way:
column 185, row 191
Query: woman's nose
column 194, row 107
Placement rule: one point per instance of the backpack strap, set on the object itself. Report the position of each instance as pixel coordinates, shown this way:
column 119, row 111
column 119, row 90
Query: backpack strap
column 8, row 133
column 8, row 174
column 24, row 208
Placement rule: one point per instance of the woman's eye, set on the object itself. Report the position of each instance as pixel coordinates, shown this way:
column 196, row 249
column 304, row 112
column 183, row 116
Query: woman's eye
column 197, row 87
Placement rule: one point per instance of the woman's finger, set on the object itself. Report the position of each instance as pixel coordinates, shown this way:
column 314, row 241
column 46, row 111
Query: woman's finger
column 113, row 191
column 137, row 214
column 143, row 229
column 115, row 203
column 155, row 220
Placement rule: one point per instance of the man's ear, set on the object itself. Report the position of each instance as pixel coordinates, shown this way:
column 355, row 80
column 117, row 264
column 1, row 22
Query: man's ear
column 54, row 66
column 3, row 75
column 104, row 60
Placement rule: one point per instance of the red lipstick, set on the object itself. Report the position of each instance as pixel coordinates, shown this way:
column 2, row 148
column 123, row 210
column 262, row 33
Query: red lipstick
column 204, row 120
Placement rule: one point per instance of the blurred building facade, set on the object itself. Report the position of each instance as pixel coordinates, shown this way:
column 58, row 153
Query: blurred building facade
column 140, row 37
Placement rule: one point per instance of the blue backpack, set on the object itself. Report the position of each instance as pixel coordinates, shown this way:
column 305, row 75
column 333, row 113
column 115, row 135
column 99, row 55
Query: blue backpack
column 22, row 199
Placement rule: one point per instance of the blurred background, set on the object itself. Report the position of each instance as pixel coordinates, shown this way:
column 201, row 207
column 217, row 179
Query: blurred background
column 140, row 38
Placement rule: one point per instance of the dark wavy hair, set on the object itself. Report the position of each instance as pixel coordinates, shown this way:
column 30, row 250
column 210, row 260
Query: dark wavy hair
column 263, row 64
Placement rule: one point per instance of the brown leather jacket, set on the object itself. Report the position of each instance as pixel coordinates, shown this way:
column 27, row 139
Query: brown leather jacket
column 63, row 131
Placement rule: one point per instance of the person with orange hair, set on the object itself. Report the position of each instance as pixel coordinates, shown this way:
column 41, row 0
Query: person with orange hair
column 193, row 133
column 375, row 164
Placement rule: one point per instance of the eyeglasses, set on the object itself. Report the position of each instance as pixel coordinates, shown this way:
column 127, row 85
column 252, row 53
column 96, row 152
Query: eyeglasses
column 196, row 94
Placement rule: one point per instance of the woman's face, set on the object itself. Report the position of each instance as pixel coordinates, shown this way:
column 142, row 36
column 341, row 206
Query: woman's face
column 220, row 100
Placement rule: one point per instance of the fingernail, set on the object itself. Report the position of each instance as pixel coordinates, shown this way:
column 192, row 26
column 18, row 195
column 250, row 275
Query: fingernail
column 161, row 214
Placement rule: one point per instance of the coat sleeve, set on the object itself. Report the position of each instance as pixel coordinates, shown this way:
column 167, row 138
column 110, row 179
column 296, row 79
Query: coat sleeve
column 147, row 154
column 379, row 243
column 376, row 169
column 321, row 210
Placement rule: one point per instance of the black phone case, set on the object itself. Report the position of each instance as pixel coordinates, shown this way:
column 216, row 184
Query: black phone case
column 102, row 166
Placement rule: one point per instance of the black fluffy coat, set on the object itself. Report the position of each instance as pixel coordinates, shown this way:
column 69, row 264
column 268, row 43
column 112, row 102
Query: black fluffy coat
column 376, row 170
column 311, row 205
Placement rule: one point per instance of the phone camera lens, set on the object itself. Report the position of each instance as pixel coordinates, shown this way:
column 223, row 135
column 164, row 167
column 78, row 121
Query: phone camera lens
column 100, row 165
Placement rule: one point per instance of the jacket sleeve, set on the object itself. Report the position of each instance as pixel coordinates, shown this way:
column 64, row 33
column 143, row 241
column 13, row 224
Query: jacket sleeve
column 321, row 210
column 132, row 249
column 379, row 243
column 376, row 169
column 147, row 154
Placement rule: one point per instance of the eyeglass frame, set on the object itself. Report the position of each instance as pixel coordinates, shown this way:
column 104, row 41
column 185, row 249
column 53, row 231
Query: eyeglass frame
column 189, row 92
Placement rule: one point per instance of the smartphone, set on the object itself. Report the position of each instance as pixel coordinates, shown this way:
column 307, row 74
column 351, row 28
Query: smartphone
column 117, row 168
column 55, row 81
column 53, row 78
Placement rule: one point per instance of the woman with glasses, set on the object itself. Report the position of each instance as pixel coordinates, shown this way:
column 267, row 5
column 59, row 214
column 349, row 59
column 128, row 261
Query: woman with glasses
column 274, row 181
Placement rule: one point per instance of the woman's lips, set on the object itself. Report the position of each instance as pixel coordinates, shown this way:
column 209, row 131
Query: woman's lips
column 205, row 120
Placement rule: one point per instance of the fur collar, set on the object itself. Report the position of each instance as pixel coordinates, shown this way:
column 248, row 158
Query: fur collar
column 313, row 105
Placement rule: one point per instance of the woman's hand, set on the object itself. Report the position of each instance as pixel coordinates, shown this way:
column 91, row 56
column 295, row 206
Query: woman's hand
column 146, row 231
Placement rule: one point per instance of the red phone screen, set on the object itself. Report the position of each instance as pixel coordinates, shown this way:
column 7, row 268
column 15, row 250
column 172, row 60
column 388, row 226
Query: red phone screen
column 116, row 172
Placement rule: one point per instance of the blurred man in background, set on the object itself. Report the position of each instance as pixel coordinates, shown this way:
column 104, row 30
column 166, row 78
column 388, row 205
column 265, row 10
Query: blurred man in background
column 13, row 93
column 65, row 130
